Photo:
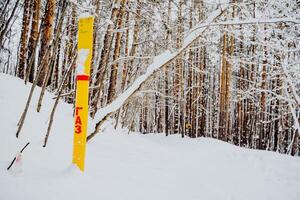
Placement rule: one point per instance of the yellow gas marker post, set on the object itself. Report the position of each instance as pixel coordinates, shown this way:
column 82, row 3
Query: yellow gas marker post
column 85, row 49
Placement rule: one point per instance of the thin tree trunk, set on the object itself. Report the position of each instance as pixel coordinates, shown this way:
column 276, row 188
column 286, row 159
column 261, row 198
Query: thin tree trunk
column 46, row 38
column 60, row 90
column 23, row 40
column 104, row 59
column 34, row 36
column 117, row 49
column 95, row 38
column 3, row 12
column 178, row 74
column 7, row 23
column 124, row 70
column 34, row 84
column 222, row 122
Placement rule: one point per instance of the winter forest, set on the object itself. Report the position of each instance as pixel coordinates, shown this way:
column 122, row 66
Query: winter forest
column 237, row 80
column 228, row 70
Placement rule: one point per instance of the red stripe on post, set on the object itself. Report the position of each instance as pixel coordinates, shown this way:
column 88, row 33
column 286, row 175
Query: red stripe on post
column 82, row 77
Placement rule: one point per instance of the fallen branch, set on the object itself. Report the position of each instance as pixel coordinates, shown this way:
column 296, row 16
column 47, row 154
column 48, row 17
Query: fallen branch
column 13, row 161
column 159, row 62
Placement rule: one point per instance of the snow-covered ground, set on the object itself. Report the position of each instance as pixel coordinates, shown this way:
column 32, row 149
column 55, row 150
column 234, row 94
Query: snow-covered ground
column 135, row 167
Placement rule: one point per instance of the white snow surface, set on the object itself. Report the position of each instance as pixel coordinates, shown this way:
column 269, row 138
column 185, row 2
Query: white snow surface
column 81, row 58
column 133, row 167
column 85, row 15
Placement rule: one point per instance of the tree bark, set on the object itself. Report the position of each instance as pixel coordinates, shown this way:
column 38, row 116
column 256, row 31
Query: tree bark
column 104, row 59
column 23, row 40
column 46, row 38
column 33, row 39
column 117, row 49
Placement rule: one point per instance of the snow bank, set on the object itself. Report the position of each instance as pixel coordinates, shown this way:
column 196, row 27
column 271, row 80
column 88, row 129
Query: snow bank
column 136, row 166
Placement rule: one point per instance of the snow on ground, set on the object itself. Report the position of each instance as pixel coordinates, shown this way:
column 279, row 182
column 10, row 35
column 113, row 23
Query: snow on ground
column 136, row 166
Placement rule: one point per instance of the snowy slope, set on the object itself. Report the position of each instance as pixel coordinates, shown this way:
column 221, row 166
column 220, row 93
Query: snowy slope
column 121, row 166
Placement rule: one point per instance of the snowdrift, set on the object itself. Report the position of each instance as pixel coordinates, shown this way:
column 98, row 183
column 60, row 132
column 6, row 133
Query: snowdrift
column 136, row 166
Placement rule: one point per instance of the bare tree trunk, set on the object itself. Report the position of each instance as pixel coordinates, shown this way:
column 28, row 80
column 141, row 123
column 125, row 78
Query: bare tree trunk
column 7, row 23
column 46, row 38
column 23, row 40
column 3, row 10
column 60, row 90
column 104, row 59
column 225, row 119
column 178, row 73
column 132, row 53
column 263, row 98
column 222, row 122
column 117, row 49
column 134, row 46
column 124, row 70
column 23, row 116
column 72, row 44
column 33, row 39
column 166, row 72
column 95, row 38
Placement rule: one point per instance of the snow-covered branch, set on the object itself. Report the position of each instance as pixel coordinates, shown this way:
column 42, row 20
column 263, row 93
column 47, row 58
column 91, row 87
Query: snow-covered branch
column 129, row 58
column 81, row 7
column 252, row 21
column 158, row 62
